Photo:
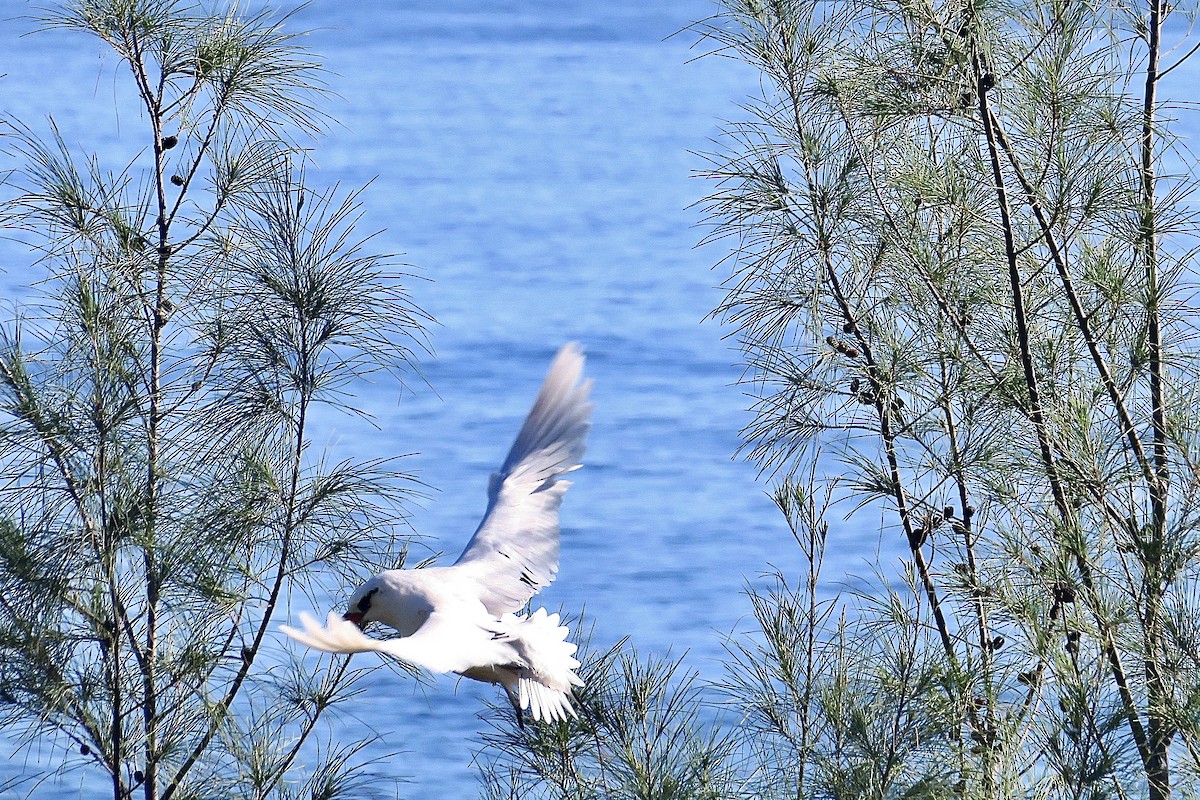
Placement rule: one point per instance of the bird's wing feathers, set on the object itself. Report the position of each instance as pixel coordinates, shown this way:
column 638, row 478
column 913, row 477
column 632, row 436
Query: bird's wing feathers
column 514, row 552
column 338, row 635
column 449, row 641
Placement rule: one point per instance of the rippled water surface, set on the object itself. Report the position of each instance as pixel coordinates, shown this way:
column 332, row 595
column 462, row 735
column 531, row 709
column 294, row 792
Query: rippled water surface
column 532, row 162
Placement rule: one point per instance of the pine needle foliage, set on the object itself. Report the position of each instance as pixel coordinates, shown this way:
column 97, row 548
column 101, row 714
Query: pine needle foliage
column 642, row 734
column 160, row 503
column 963, row 234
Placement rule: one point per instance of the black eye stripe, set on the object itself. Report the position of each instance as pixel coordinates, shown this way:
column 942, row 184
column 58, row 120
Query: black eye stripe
column 364, row 605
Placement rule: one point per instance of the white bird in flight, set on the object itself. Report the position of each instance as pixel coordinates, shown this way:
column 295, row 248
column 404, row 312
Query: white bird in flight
column 465, row 618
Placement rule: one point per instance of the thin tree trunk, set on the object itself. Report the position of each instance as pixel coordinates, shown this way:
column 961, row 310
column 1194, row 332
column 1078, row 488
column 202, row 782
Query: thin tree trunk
column 1158, row 767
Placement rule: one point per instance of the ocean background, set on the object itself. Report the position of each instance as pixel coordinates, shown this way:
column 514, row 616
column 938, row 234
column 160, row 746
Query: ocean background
column 532, row 164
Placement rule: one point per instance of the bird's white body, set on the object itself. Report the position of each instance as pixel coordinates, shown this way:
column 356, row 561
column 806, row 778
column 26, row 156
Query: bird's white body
column 463, row 618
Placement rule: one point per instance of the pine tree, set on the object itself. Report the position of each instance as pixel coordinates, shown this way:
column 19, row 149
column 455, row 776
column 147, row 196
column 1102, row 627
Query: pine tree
column 963, row 290
column 160, row 499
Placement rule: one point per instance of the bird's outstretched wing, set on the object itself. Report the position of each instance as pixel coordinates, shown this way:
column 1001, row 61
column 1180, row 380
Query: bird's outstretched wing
column 338, row 635
column 449, row 641
column 514, row 552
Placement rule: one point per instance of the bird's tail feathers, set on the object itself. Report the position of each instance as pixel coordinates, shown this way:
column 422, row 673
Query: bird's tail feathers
column 543, row 703
column 544, row 688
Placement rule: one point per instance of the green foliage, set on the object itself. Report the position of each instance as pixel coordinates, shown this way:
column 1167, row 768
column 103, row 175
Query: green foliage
column 640, row 735
column 160, row 503
column 962, row 283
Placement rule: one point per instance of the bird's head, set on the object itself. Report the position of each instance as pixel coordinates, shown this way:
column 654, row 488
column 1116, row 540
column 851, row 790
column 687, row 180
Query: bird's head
column 359, row 608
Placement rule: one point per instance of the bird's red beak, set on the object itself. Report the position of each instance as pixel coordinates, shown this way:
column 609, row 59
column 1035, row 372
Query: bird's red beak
column 355, row 617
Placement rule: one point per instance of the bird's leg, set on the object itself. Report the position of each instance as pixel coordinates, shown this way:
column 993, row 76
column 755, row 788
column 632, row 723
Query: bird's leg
column 515, row 700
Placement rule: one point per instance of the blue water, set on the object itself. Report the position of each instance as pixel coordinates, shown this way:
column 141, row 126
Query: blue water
column 531, row 164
